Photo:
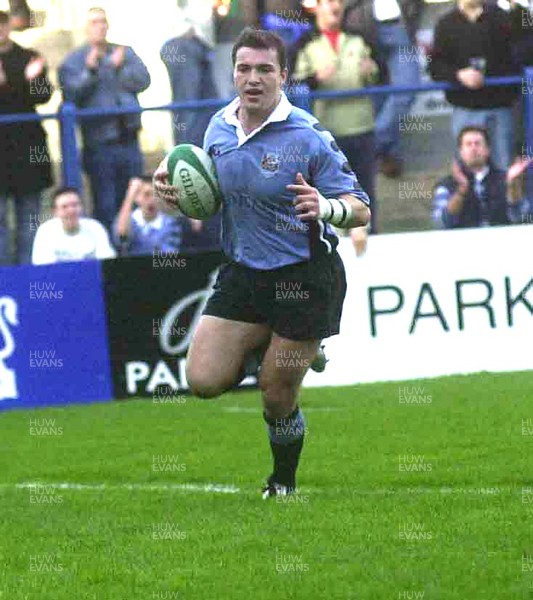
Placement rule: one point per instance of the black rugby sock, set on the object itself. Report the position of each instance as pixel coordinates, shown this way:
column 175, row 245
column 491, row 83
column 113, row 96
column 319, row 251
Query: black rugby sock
column 286, row 437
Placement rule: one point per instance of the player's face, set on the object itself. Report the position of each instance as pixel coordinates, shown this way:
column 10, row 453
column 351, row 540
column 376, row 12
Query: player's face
column 258, row 78
column 68, row 209
column 474, row 150
column 330, row 12
column 97, row 27
column 147, row 202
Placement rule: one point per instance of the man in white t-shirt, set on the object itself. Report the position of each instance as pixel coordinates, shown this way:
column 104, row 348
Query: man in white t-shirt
column 69, row 236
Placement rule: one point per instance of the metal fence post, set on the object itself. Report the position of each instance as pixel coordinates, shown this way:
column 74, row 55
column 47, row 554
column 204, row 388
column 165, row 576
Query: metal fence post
column 69, row 151
column 527, row 91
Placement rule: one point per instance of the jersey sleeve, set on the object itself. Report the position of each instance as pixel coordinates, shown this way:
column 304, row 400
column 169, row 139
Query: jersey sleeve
column 330, row 170
column 209, row 133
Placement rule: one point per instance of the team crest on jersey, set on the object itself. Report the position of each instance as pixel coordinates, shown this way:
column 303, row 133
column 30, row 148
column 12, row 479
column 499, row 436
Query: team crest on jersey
column 270, row 164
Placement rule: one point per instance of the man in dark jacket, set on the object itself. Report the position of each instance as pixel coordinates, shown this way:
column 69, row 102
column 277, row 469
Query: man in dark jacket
column 105, row 75
column 390, row 26
column 474, row 41
column 24, row 160
column 477, row 194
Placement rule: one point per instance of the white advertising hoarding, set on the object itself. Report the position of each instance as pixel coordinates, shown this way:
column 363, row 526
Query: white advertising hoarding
column 434, row 303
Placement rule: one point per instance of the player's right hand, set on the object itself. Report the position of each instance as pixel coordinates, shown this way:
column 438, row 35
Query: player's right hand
column 162, row 188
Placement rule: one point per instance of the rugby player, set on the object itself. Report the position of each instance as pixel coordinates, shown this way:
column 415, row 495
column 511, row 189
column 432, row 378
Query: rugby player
column 284, row 183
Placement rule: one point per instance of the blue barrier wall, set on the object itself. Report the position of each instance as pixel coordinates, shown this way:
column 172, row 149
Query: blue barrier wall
column 98, row 330
column 53, row 335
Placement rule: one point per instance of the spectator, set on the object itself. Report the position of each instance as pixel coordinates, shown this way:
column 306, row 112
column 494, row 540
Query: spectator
column 20, row 16
column 521, row 212
column 485, row 50
column 200, row 236
column 68, row 236
column 477, row 194
column 521, row 33
column 145, row 229
column 105, row 75
column 522, row 39
column 330, row 59
column 24, row 160
column 188, row 62
column 390, row 26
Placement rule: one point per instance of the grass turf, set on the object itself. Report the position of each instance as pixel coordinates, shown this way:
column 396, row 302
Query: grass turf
column 367, row 524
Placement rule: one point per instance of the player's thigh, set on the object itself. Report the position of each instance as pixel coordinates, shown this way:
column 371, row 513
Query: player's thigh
column 218, row 348
column 284, row 366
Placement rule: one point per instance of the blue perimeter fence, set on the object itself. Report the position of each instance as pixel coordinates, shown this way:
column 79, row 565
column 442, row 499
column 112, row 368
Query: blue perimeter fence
column 69, row 115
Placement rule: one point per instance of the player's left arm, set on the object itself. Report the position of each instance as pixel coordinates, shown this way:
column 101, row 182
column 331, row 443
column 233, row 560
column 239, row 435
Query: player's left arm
column 330, row 191
column 360, row 215
column 344, row 211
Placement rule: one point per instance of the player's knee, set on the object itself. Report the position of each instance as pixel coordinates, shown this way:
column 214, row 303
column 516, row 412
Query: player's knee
column 204, row 385
column 205, row 391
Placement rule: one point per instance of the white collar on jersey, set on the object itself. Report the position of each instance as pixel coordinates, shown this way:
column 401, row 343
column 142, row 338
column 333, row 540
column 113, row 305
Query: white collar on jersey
column 280, row 113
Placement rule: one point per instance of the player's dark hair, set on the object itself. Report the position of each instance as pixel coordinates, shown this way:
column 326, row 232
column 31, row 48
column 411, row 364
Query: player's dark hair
column 263, row 40
column 64, row 189
column 146, row 179
column 4, row 17
column 473, row 129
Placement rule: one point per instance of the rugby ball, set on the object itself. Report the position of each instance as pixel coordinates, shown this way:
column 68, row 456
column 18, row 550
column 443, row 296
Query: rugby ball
column 192, row 172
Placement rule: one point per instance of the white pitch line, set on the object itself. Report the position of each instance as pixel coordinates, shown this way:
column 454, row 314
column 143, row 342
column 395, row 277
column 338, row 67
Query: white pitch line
column 483, row 491
column 230, row 489
column 143, row 487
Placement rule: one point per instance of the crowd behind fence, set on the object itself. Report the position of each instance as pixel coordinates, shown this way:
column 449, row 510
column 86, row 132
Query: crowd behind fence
column 69, row 116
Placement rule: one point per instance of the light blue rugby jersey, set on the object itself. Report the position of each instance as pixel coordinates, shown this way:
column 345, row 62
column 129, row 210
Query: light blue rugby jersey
column 260, row 228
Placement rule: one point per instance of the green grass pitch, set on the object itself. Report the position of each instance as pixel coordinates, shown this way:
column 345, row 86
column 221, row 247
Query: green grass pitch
column 398, row 500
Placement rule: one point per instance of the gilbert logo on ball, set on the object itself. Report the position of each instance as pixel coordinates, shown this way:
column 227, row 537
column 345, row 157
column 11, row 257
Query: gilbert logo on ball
column 192, row 172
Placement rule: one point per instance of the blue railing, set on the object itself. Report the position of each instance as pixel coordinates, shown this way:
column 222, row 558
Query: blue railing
column 69, row 115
